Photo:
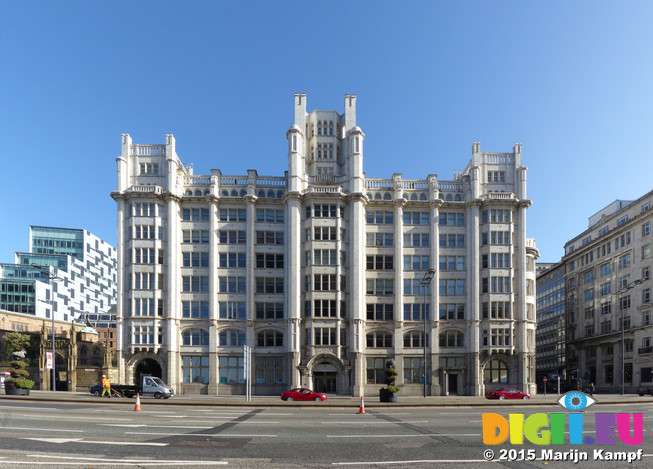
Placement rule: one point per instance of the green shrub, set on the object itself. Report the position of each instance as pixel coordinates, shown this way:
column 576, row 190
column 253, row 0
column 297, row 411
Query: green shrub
column 20, row 383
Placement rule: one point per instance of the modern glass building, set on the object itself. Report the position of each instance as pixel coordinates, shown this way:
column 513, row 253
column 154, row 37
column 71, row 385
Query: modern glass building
column 550, row 337
column 85, row 271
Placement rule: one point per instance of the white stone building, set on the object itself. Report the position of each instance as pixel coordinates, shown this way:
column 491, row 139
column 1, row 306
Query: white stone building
column 608, row 275
column 320, row 270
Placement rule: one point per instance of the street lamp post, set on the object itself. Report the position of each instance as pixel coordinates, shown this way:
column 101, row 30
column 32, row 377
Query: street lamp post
column 628, row 287
column 52, row 277
column 424, row 283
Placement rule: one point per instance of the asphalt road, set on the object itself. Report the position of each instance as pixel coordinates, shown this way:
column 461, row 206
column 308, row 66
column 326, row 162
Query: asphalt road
column 111, row 434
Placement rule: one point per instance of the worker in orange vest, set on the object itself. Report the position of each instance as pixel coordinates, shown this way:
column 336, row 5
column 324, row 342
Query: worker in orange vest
column 106, row 386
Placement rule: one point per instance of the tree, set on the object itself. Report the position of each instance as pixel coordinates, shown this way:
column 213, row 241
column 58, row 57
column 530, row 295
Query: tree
column 16, row 341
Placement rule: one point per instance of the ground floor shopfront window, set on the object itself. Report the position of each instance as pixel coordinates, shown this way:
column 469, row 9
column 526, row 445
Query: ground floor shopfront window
column 269, row 370
column 232, row 370
column 195, row 369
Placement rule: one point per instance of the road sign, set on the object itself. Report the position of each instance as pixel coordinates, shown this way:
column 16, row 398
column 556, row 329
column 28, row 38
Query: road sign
column 48, row 360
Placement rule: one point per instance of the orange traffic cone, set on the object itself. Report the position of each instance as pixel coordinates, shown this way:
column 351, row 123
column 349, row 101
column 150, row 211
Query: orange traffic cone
column 361, row 409
column 138, row 403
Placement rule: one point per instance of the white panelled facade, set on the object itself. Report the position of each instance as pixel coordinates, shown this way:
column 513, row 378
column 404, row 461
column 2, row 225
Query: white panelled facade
column 320, row 270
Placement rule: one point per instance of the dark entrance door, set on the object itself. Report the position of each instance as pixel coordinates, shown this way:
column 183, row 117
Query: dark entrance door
column 60, row 373
column 453, row 384
column 325, row 381
column 147, row 367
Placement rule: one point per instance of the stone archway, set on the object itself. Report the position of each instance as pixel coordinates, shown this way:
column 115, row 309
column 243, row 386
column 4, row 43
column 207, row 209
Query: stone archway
column 147, row 366
column 143, row 364
column 327, row 373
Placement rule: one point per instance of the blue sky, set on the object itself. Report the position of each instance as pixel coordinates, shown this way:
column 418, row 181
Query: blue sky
column 571, row 81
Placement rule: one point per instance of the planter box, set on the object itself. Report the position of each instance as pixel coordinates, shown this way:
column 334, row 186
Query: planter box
column 386, row 396
column 12, row 390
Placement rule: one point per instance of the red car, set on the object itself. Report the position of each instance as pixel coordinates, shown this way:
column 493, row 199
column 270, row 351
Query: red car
column 302, row 394
column 507, row 393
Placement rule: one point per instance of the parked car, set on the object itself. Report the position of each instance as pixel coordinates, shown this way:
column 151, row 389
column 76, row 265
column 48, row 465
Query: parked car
column 151, row 385
column 507, row 393
column 302, row 394
column 643, row 391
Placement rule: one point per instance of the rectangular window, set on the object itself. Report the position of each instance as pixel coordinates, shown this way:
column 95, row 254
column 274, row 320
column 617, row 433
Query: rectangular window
column 269, row 285
column 324, row 257
column 233, row 260
column 269, row 237
column 379, row 239
column 269, row 370
column 195, row 369
column 195, row 284
column 605, row 269
column 232, row 237
column 375, row 370
column 451, row 219
column 416, row 311
column 233, row 214
column 380, row 286
column 195, row 214
column 231, row 370
column 452, row 311
column 232, row 285
column 380, row 262
column 269, row 311
column 269, row 261
column 379, row 218
column 452, row 240
column 416, row 218
column 416, row 263
column 451, row 287
column 195, row 259
column 380, row 311
column 416, row 239
column 232, row 310
column 195, row 236
column 195, row 309
column 413, row 370
column 324, row 336
column 268, row 215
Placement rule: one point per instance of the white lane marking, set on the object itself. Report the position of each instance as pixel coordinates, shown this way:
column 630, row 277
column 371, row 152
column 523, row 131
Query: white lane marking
column 390, row 435
column 162, row 461
column 128, row 425
column 113, row 464
column 371, row 422
column 417, row 461
column 202, row 434
column 28, row 408
column 77, row 418
column 80, row 440
column 40, row 429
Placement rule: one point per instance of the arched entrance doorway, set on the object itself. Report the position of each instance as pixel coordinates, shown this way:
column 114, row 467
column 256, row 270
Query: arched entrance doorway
column 327, row 374
column 147, row 366
column 325, row 378
column 60, row 369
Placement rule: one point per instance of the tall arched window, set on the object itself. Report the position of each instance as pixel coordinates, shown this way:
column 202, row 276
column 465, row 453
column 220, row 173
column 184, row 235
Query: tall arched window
column 495, row 371
column 195, row 337
column 414, row 339
column 379, row 339
column 232, row 338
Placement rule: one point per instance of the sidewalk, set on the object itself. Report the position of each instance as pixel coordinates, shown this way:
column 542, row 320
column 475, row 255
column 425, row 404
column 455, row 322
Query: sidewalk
column 333, row 401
